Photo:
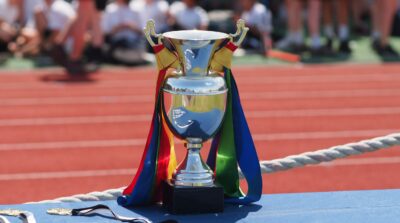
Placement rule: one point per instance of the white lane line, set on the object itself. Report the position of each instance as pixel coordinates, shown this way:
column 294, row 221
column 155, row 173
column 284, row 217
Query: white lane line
column 242, row 79
column 74, row 120
column 323, row 135
column 317, row 79
column 322, row 94
column 54, row 85
column 76, row 100
column 66, row 174
column 249, row 114
column 363, row 161
column 94, row 144
column 123, row 172
column 72, row 144
column 245, row 96
column 323, row 112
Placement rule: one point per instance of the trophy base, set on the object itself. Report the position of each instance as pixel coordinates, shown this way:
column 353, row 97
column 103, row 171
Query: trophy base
column 192, row 200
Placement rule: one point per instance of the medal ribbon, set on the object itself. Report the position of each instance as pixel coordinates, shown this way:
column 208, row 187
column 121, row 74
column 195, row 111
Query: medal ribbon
column 233, row 144
column 158, row 159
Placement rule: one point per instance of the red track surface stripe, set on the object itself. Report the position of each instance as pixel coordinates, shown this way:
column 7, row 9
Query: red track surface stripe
column 249, row 114
column 66, row 174
column 141, row 141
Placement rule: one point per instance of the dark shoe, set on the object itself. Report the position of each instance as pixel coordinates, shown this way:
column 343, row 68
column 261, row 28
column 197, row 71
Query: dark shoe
column 95, row 55
column 321, row 52
column 387, row 51
column 57, row 53
column 329, row 44
column 78, row 68
column 298, row 48
column 344, row 47
column 361, row 30
column 375, row 45
column 75, row 67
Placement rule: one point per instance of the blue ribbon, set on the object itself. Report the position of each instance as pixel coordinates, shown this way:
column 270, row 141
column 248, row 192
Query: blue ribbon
column 245, row 150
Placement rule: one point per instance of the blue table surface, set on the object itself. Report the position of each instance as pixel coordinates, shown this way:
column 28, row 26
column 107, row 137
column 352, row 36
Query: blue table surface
column 347, row 206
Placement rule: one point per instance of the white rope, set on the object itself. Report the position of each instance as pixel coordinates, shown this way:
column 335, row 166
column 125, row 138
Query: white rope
column 111, row 194
column 330, row 154
column 308, row 158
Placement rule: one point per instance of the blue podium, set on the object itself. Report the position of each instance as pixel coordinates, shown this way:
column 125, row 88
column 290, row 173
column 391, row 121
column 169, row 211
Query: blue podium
column 348, row 206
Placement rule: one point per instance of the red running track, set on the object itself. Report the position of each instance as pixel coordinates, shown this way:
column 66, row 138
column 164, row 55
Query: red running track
column 59, row 137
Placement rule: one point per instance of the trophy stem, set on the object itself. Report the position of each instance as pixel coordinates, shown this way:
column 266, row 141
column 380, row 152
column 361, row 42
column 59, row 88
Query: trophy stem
column 193, row 171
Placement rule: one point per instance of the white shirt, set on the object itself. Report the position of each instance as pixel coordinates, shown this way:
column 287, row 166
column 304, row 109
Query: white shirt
column 157, row 11
column 189, row 18
column 30, row 7
column 260, row 17
column 59, row 14
column 116, row 15
column 8, row 13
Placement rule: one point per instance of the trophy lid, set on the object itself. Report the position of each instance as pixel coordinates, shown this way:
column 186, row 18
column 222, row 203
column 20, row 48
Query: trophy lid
column 198, row 35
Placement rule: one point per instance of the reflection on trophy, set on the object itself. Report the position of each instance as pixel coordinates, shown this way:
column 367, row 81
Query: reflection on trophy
column 194, row 100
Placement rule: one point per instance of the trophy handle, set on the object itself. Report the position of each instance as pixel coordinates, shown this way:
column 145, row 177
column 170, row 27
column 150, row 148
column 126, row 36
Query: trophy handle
column 241, row 32
column 150, row 33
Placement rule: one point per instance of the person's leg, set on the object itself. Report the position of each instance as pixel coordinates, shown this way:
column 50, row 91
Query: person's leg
column 376, row 9
column 40, row 22
column 314, row 10
column 384, row 14
column 327, row 20
column 387, row 14
column 7, row 32
column 28, row 43
column 95, row 50
column 358, row 8
column 86, row 10
column 295, row 21
column 343, row 20
column 295, row 32
column 97, row 33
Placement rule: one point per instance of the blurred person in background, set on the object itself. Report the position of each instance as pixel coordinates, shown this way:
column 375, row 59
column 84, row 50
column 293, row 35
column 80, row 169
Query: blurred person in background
column 28, row 40
column 123, row 29
column 54, row 22
column 186, row 14
column 156, row 10
column 294, row 40
column 259, row 20
column 340, row 8
column 360, row 10
column 88, row 18
column 383, row 12
column 8, row 21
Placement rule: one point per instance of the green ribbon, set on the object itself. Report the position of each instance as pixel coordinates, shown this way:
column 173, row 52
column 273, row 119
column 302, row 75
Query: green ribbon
column 226, row 162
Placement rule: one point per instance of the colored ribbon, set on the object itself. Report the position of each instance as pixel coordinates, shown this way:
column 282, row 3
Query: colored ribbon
column 233, row 144
column 158, row 159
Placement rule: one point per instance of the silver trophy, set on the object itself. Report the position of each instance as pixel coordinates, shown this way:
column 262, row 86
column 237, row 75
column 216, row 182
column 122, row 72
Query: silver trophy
column 194, row 101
